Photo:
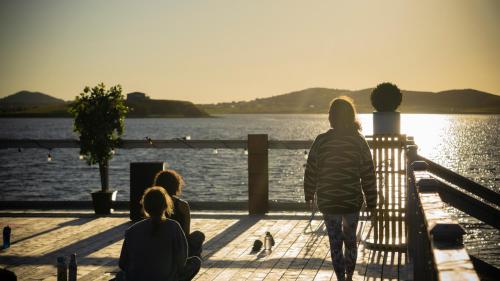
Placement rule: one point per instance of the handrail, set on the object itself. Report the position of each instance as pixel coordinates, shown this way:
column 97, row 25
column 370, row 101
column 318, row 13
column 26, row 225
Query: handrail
column 435, row 239
column 256, row 146
column 162, row 143
column 464, row 183
column 468, row 204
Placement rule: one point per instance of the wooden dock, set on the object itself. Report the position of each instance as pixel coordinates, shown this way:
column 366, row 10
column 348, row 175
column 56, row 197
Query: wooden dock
column 301, row 251
column 413, row 237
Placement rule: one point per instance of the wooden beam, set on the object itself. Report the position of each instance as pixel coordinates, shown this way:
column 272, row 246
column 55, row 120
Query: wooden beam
column 258, row 175
column 463, row 182
column 469, row 205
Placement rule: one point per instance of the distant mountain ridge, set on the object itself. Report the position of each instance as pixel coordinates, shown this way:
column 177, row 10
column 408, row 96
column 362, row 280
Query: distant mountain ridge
column 28, row 99
column 317, row 100
column 36, row 104
column 312, row 100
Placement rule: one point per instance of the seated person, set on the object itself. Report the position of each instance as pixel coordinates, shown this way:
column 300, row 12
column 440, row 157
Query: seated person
column 173, row 183
column 156, row 248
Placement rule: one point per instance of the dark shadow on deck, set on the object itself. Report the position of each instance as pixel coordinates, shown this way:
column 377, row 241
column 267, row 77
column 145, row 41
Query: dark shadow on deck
column 242, row 216
column 382, row 265
column 93, row 243
column 79, row 221
column 4, row 214
column 220, row 240
column 83, row 248
column 278, row 263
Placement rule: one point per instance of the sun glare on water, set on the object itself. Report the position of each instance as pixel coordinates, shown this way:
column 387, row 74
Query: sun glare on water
column 429, row 131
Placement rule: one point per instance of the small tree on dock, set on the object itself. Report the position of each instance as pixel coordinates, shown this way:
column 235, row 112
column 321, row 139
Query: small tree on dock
column 99, row 120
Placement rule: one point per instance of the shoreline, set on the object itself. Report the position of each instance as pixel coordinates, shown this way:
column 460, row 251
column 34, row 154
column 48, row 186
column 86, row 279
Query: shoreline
column 217, row 115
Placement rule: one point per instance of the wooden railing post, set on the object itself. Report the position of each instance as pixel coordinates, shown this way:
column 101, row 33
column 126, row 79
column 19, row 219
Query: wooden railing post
column 411, row 153
column 412, row 208
column 258, row 175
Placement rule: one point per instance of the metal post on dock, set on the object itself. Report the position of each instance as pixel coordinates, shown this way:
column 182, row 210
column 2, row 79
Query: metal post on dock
column 258, row 175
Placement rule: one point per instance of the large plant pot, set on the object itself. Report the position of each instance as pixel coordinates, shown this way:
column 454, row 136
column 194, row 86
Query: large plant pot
column 386, row 122
column 103, row 201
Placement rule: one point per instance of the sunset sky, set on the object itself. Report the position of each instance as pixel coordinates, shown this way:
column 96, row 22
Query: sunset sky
column 215, row 51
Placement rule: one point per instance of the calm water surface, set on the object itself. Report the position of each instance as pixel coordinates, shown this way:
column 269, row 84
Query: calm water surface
column 467, row 144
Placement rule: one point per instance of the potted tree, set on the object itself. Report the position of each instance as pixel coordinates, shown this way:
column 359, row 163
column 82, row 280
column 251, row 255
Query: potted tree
column 386, row 98
column 99, row 115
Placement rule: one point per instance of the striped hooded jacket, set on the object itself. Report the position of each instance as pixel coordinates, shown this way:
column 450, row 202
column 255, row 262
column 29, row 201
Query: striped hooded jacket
column 340, row 170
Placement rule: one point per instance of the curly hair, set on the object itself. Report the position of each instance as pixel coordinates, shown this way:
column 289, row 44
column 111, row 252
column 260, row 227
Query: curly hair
column 171, row 181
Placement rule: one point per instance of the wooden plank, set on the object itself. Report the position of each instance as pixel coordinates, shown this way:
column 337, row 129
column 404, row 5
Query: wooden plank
column 318, row 256
column 280, row 229
column 394, row 186
column 450, row 258
column 305, row 247
column 262, row 267
column 239, row 246
column 82, row 249
column 287, row 254
column 210, row 227
column 386, row 193
column 401, row 192
column 390, row 266
column 258, row 174
column 214, row 255
column 297, row 255
column 325, row 273
column 483, row 192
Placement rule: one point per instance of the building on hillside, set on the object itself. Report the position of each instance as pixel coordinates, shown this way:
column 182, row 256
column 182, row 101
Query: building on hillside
column 137, row 96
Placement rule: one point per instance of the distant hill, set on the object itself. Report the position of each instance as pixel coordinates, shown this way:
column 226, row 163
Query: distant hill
column 164, row 108
column 34, row 104
column 316, row 100
column 24, row 100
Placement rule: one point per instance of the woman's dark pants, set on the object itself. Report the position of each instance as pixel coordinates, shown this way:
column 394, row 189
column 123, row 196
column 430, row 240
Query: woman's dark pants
column 342, row 231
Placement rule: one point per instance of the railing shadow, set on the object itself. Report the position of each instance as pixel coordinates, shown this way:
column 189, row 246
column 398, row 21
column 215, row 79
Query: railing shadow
column 61, row 214
column 223, row 238
column 83, row 248
column 78, row 221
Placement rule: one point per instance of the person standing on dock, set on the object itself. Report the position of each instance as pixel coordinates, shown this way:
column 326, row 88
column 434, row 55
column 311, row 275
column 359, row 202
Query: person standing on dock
column 156, row 248
column 173, row 183
column 339, row 171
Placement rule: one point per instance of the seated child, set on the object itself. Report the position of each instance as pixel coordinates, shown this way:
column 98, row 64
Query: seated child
column 173, row 183
column 156, row 248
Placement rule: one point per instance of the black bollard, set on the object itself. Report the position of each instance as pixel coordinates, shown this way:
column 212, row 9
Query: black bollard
column 62, row 269
column 6, row 237
column 72, row 268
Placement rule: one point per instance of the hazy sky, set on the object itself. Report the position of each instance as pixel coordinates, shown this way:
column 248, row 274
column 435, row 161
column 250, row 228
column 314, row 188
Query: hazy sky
column 213, row 51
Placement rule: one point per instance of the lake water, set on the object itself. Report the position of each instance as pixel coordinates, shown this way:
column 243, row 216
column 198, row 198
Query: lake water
column 467, row 144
